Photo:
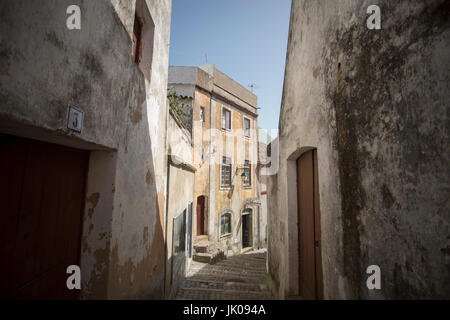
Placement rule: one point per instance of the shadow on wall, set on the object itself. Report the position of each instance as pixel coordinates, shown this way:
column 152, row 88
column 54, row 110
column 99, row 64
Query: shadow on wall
column 122, row 246
column 136, row 248
column 144, row 279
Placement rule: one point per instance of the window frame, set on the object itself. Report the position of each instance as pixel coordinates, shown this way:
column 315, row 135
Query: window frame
column 222, row 186
column 249, row 126
column 137, row 38
column 203, row 112
column 249, row 168
column 226, row 109
column 226, row 234
column 143, row 39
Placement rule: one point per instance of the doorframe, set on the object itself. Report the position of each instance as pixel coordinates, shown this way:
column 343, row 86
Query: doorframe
column 293, row 244
column 98, row 213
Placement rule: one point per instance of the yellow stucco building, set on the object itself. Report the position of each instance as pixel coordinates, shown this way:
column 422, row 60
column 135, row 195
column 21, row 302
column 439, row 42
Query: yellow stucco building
column 224, row 116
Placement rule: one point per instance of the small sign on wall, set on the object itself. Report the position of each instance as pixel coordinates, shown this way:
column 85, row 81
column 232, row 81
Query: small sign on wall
column 75, row 119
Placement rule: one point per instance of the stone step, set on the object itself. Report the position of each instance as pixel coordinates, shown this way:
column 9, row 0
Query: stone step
column 198, row 293
column 208, row 257
column 224, row 278
column 227, row 285
column 230, row 266
column 201, row 247
column 201, row 238
column 204, row 246
column 221, row 269
column 202, row 257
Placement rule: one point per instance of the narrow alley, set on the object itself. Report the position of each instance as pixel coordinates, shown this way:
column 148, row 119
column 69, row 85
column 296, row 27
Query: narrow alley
column 224, row 150
column 239, row 277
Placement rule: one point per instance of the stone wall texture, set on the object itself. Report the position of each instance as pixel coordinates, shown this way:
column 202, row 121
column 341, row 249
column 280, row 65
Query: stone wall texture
column 375, row 105
column 44, row 68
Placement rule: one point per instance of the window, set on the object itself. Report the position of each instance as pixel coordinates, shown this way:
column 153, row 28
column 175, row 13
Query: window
column 246, row 127
column 225, row 224
column 225, row 172
column 226, row 119
column 143, row 38
column 247, row 174
column 202, row 115
column 137, row 33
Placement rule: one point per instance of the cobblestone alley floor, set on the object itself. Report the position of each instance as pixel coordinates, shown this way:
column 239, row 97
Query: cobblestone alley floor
column 238, row 277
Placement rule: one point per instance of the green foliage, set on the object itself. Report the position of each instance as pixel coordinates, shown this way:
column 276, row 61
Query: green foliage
column 176, row 103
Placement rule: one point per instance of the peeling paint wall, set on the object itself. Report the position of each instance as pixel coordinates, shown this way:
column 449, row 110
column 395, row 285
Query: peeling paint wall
column 375, row 105
column 201, row 137
column 45, row 68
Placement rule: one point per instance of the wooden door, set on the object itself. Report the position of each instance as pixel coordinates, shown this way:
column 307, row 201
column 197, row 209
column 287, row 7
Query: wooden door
column 42, row 195
column 200, row 215
column 310, row 265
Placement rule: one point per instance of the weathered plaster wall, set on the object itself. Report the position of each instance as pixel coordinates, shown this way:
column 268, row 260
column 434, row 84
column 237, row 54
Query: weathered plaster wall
column 375, row 105
column 45, row 68
column 181, row 193
column 202, row 148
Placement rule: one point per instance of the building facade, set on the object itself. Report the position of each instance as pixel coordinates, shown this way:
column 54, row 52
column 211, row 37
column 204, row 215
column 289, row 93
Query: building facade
column 362, row 177
column 224, row 121
column 83, row 122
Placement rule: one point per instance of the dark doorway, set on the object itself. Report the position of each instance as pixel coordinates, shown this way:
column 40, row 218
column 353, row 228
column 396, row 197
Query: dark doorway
column 247, row 228
column 201, row 230
column 42, row 195
column 310, row 261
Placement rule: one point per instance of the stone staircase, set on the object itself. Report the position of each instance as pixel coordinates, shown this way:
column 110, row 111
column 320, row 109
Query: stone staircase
column 239, row 277
column 207, row 252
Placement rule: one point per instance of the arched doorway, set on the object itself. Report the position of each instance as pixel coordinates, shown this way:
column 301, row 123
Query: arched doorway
column 310, row 260
column 201, row 225
column 247, row 226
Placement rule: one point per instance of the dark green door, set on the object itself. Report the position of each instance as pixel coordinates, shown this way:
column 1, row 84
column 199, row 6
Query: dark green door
column 247, row 229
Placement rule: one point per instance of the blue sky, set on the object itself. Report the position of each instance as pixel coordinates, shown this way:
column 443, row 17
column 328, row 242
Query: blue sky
column 246, row 39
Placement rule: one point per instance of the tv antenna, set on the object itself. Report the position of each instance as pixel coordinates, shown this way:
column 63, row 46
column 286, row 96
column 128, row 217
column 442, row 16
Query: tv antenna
column 252, row 87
